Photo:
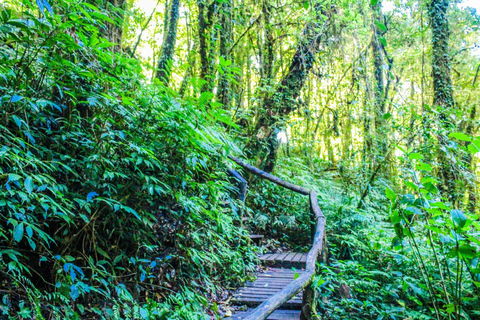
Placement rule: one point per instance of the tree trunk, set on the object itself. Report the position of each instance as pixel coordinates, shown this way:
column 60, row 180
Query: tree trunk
column 379, row 92
column 442, row 89
column 206, row 15
column 223, row 93
column 168, row 46
column 276, row 108
column 113, row 31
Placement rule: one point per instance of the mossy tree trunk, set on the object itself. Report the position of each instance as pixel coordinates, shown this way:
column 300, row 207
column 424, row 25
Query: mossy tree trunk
column 442, row 90
column 168, row 46
column 226, row 33
column 264, row 144
column 206, row 16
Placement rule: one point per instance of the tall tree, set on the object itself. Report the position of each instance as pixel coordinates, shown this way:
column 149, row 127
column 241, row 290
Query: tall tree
column 168, row 46
column 283, row 101
column 378, row 62
column 442, row 89
column 226, row 32
column 113, row 31
column 206, row 16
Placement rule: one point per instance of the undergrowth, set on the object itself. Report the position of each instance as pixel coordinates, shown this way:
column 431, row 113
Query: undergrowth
column 110, row 187
column 371, row 272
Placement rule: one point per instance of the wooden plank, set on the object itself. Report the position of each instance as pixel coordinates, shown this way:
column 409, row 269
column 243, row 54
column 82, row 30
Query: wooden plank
column 276, row 275
column 260, row 289
column 259, row 294
column 258, row 300
column 273, row 257
column 265, row 256
column 276, row 315
column 304, row 258
column 273, row 280
column 282, row 256
column 289, row 257
column 297, row 257
column 264, row 296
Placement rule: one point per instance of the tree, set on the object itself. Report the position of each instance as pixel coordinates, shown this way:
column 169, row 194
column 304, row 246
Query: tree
column 226, row 33
column 206, row 16
column 113, row 31
column 168, row 46
column 283, row 101
column 442, row 89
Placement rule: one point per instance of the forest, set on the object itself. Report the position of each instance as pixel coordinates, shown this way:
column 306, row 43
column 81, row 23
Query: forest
column 155, row 157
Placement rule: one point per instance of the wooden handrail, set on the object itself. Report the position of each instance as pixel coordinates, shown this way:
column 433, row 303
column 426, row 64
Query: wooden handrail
column 284, row 295
column 270, row 177
column 242, row 182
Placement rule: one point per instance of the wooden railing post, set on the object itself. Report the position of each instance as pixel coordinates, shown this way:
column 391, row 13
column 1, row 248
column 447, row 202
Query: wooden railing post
column 309, row 304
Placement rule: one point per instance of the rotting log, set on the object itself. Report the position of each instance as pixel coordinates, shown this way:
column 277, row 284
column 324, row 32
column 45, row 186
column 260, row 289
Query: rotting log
column 303, row 281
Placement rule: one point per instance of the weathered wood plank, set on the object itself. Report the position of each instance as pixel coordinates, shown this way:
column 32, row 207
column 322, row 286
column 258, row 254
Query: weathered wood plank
column 259, row 289
column 282, row 256
column 259, row 300
column 277, row 315
column 289, row 257
column 265, row 256
column 297, row 257
column 273, row 257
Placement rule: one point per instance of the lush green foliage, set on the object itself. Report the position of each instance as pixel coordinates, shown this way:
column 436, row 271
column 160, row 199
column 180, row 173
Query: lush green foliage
column 110, row 187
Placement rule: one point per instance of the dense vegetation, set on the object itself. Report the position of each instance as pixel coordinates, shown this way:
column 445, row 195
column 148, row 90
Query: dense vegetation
column 116, row 123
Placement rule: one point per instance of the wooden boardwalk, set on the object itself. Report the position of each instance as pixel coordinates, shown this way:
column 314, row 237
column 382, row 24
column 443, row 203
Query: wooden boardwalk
column 278, row 289
column 285, row 268
column 285, row 260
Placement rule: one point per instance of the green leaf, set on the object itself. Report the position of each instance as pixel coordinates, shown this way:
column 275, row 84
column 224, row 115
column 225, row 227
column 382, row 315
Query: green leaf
column 415, row 156
column 18, row 232
column 460, row 136
column 390, row 194
column 423, row 166
column 28, row 184
column 467, row 251
column 472, row 148
column 103, row 253
column 381, row 26
column 440, row 205
column 383, row 41
column 373, row 2
column 458, row 218
column 29, row 231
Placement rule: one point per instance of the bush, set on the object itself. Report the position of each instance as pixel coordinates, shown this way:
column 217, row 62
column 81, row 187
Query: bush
column 110, row 187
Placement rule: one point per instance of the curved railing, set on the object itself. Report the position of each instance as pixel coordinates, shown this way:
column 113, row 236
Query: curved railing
column 303, row 281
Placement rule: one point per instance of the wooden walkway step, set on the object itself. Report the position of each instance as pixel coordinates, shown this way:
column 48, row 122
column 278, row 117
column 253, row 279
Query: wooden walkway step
column 266, row 285
column 285, row 260
column 276, row 315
